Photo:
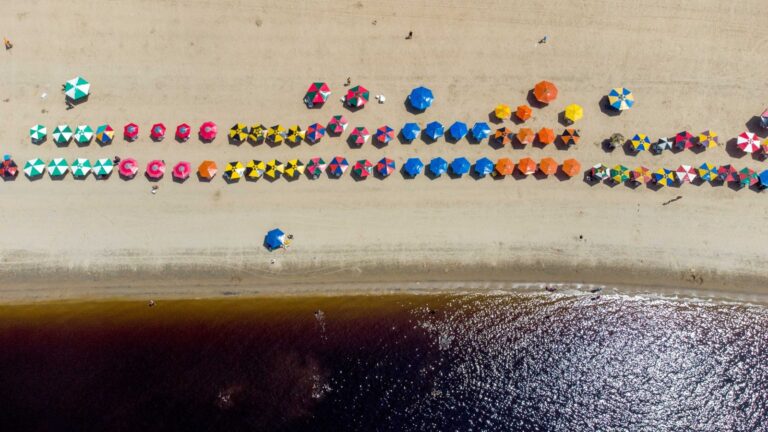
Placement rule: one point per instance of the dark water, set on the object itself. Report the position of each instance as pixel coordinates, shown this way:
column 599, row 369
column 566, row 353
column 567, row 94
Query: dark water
column 400, row 363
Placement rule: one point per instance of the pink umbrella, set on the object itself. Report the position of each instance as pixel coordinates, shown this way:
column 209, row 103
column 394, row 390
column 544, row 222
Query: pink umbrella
column 748, row 142
column 181, row 170
column 128, row 167
column 158, row 131
column 182, row 132
column 337, row 125
column 360, row 135
column 131, row 131
column 686, row 173
column 155, row 169
column 208, row 131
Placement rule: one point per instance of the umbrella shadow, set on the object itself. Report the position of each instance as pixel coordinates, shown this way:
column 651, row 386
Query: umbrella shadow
column 652, row 185
column 628, row 149
column 292, row 144
column 405, row 174
column 179, row 180
column 495, row 144
column 410, row 109
column 378, row 144
column 203, row 179
column 353, row 109
column 517, row 175
column 755, row 125
column 40, row 141
column 352, row 144
column 62, row 144
column 10, row 178
column 255, row 142
column 532, row 101
column 233, row 141
column 607, row 146
column 733, row 150
column 403, row 139
column 203, row 140
column 83, row 144
column 493, row 119
column 560, row 144
column 127, row 177
column 631, row 184
column 607, row 109
column 589, row 180
column 229, row 180
column 71, row 103
column 35, row 178
column 561, row 176
column 426, row 138
column 562, row 120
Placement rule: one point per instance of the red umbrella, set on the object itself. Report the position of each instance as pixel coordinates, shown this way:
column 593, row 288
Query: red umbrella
column 181, row 170
column 337, row 125
column 208, row 131
column 684, row 140
column 158, row 131
column 156, row 169
column 9, row 169
column 360, row 135
column 128, row 167
column 727, row 173
column 182, row 132
column 545, row 92
column 362, row 168
column 131, row 131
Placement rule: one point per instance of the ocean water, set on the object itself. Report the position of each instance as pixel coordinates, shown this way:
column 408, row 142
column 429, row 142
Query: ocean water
column 470, row 362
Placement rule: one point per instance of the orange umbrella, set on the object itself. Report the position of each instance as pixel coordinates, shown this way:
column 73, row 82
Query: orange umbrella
column 571, row 167
column 545, row 92
column 504, row 166
column 503, row 135
column 207, row 169
column 548, row 166
column 526, row 166
column 546, row 136
column 523, row 112
column 526, row 136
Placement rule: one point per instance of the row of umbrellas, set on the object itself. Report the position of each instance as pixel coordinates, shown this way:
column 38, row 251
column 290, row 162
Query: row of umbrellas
column 746, row 141
column 572, row 112
column 105, row 134
column 706, row 172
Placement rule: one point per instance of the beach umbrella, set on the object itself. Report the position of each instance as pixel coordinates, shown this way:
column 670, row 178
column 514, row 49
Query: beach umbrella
column 663, row 177
column 155, row 169
column 460, row 166
column 128, row 168
column 362, row 169
column 640, row 142
column 545, row 92
column 385, row 167
column 573, row 113
column 337, row 166
column 727, row 173
column 686, row 174
column 337, row 125
column 83, row 134
column 8, row 168
column 317, row 94
column 81, row 167
column 293, row 169
column 525, row 136
column 385, row 134
column 274, row 239
column 62, row 134
column 504, row 166
column 503, row 135
column 619, row 173
column 707, row 172
column 357, row 96
column 238, row 132
column 458, row 130
column 38, row 133
column 481, row 131
column 483, row 167
column 208, row 131
column 708, row 139
column 502, row 111
column 684, row 140
column 434, row 130
column 763, row 178
column 764, row 119
column 571, row 167
column 315, row 132
column 131, row 131
column 661, row 145
column 526, row 166
column 57, row 167
column 274, row 169
column 599, row 172
column 157, row 133
column 413, row 167
column 233, row 171
column 254, row 169
column 276, row 134
column 77, row 89
column 315, row 167
column 523, row 112
column 103, row 167
column 546, row 136
column 295, row 135
column 34, row 168
column 207, row 169
column 640, row 175
column 438, row 166
column 105, row 134
column 183, row 131
column 747, row 177
column 410, row 131
column 421, row 98
column 360, row 135
column 548, row 166
column 570, row 137
column 621, row 99
column 748, row 142
column 257, row 132
column 181, row 170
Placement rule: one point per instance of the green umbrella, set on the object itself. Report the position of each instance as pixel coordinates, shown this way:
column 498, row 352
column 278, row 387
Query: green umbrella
column 38, row 132
column 77, row 88
column 62, row 134
column 81, row 167
column 619, row 173
column 57, row 167
column 103, row 167
column 83, row 134
column 34, row 167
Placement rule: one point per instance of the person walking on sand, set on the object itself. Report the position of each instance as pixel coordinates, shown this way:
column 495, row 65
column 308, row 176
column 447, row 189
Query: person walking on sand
column 410, row 35
column 7, row 43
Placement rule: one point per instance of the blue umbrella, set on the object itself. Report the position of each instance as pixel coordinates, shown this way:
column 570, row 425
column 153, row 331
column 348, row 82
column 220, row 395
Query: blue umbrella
column 460, row 166
column 438, row 166
column 274, row 239
column 410, row 131
column 458, row 130
column 483, row 167
column 421, row 98
column 481, row 131
column 413, row 167
column 763, row 177
column 434, row 130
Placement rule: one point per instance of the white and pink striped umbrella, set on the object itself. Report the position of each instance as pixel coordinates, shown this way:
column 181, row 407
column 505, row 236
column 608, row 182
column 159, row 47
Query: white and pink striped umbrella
column 686, row 173
column 748, row 142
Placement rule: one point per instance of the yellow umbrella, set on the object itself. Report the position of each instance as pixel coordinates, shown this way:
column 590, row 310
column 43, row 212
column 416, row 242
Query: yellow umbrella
column 274, row 169
column 234, row 171
column 254, row 169
column 574, row 113
column 708, row 139
column 503, row 111
column 238, row 132
column 257, row 133
column 276, row 134
column 294, row 168
column 295, row 135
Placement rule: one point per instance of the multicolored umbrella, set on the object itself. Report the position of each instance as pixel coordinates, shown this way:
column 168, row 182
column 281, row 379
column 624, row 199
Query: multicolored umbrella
column 234, row 171
column 413, row 167
column 362, row 169
column 502, row 111
column 686, row 174
column 571, row 167
column 274, row 169
column 183, row 131
column 238, row 132
column 570, row 137
column 640, row 175
column 103, row 167
column 155, row 169
column 62, row 134
column 105, row 134
column 545, row 92
column 274, row 239
column 503, row 135
column 684, row 140
column 707, row 172
column 573, row 113
column 157, row 133
column 357, row 96
column 663, row 177
column 708, row 139
column 748, row 177
column 640, row 142
column 254, row 169
column 128, row 168
column 421, row 98
column 548, row 166
column 359, row 135
column 293, row 169
column 621, row 99
column 81, row 167
column 481, row 131
column 83, row 134
column 8, row 168
column 317, row 94
column 727, row 173
column 295, row 135
column 34, row 168
column 599, row 172
column 338, row 166
column 276, row 134
column 57, row 167
column 460, row 166
column 546, row 136
column 208, row 131
column 748, row 142
column 257, row 133
column 504, row 166
column 483, row 167
column 77, row 89
column 207, row 169
column 315, row 132
column 458, row 130
column 434, row 130
column 131, row 131
column 38, row 133
column 385, row 134
column 661, row 145
column 438, row 166
column 315, row 167
column 410, row 131
column 523, row 112
column 181, row 170
column 525, row 136
column 337, row 125
column 385, row 167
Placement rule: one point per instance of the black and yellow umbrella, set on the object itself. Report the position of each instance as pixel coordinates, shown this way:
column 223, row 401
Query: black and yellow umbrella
column 293, row 169
column 238, row 132
column 295, row 135
column 257, row 132
column 274, row 169
column 276, row 134
column 254, row 169
column 234, row 171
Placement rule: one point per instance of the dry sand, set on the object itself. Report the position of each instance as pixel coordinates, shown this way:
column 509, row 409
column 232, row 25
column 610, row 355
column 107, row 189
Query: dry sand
column 693, row 65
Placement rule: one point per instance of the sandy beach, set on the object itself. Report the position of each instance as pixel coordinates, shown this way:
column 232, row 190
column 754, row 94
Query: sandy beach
column 693, row 65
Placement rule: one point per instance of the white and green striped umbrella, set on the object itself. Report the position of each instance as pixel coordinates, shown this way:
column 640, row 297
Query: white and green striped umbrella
column 57, row 167
column 81, row 167
column 62, row 134
column 34, row 167
column 103, row 167
column 77, row 88
column 38, row 132
column 83, row 134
